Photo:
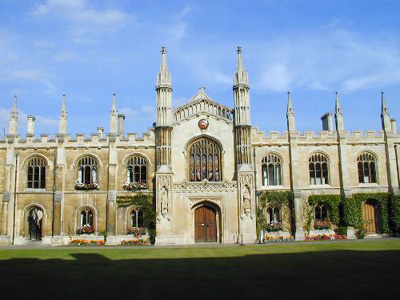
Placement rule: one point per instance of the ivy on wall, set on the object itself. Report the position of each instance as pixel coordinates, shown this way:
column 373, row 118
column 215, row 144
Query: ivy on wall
column 394, row 207
column 352, row 210
column 145, row 202
column 274, row 199
column 332, row 201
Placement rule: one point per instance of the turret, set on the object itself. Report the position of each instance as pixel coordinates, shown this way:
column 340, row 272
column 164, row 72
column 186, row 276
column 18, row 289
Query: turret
column 30, row 131
column 13, row 122
column 114, row 117
column 338, row 114
column 62, row 129
column 291, row 125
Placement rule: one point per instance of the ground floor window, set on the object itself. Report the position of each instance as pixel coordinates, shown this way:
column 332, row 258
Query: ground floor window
column 35, row 217
column 86, row 222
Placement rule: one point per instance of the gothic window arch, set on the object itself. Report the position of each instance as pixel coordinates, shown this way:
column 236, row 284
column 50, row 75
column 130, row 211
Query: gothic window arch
column 36, row 173
column 271, row 168
column 136, row 218
column 273, row 215
column 366, row 164
column 318, row 166
column 86, row 221
column 321, row 212
column 136, row 170
column 204, row 160
column 87, row 170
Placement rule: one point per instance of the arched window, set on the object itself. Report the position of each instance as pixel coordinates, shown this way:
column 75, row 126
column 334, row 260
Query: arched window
column 273, row 215
column 318, row 164
column 86, row 222
column 204, row 160
column 87, row 170
column 136, row 218
column 322, row 217
column 366, row 163
column 36, row 173
column 137, row 170
column 271, row 170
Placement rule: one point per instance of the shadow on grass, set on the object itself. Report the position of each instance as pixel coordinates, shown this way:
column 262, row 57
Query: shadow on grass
column 331, row 274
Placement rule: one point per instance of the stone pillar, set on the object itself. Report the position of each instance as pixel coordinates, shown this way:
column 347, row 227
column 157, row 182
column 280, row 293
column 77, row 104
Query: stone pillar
column 31, row 126
column 111, row 204
column 121, row 120
column 298, row 212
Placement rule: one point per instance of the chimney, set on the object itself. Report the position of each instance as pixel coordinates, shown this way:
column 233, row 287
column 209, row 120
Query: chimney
column 100, row 131
column 394, row 126
column 121, row 120
column 31, row 126
column 327, row 121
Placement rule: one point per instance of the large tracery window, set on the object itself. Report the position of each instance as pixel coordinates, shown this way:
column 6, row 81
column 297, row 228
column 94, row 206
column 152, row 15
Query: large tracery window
column 318, row 164
column 205, row 160
column 271, row 170
column 366, row 163
column 137, row 169
column 87, row 170
column 36, row 173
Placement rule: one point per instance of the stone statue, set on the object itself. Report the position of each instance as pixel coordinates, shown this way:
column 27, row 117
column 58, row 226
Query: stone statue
column 164, row 202
column 246, row 201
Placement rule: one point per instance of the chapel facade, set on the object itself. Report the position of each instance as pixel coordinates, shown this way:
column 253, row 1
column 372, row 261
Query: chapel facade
column 204, row 164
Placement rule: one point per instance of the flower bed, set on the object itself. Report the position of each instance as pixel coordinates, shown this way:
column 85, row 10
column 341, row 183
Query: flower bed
column 139, row 242
column 137, row 231
column 87, row 242
column 86, row 229
column 325, row 237
column 134, row 186
column 273, row 239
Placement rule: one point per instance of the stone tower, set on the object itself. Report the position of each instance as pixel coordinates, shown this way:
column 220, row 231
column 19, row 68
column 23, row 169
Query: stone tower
column 163, row 131
column 244, row 162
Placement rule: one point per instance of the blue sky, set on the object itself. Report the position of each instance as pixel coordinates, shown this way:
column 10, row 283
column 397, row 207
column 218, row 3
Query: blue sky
column 91, row 49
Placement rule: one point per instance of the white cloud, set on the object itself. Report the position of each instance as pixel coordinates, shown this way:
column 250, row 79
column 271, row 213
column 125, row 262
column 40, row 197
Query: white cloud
column 65, row 56
column 334, row 59
column 127, row 111
column 148, row 109
column 84, row 18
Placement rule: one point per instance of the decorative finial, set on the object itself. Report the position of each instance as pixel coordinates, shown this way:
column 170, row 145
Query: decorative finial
column 239, row 49
column 202, row 88
column 163, row 50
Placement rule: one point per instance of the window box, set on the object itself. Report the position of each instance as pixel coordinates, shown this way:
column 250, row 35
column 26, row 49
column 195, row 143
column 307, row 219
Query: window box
column 86, row 186
column 137, row 231
column 86, row 229
column 324, row 224
column 274, row 226
column 134, row 186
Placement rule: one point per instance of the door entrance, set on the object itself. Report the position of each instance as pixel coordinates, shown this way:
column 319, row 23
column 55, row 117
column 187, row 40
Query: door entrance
column 205, row 224
column 369, row 213
column 35, row 224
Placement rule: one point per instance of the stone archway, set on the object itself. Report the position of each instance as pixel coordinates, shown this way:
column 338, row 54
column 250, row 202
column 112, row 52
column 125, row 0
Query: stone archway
column 35, row 218
column 206, row 223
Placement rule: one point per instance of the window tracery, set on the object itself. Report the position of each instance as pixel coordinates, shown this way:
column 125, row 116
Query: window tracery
column 87, row 170
column 137, row 170
column 36, row 173
column 271, row 170
column 318, row 166
column 205, row 160
column 366, row 163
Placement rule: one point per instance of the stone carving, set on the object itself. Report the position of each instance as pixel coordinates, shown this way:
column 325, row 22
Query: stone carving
column 164, row 192
column 164, row 202
column 205, row 185
column 246, row 200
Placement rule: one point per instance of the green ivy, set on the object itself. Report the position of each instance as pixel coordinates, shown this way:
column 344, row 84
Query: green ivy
column 332, row 201
column 145, row 202
column 395, row 213
column 352, row 210
column 275, row 199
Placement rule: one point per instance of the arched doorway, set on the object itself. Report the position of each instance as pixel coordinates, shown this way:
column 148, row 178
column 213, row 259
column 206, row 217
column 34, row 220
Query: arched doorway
column 35, row 217
column 370, row 217
column 206, row 225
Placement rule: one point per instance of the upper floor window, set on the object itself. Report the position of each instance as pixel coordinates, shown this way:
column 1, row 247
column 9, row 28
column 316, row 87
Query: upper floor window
column 271, row 170
column 87, row 170
column 318, row 164
column 204, row 160
column 137, row 170
column 366, row 163
column 36, row 173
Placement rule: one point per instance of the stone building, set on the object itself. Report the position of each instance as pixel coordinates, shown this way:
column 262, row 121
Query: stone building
column 204, row 164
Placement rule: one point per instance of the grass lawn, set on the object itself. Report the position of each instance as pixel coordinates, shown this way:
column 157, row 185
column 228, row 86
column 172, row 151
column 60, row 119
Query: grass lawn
column 360, row 269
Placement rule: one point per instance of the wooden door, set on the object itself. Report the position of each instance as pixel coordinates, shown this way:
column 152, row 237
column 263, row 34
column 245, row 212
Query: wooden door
column 369, row 213
column 205, row 224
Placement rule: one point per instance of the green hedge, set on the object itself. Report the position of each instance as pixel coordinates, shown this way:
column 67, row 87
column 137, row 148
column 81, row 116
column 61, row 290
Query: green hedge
column 395, row 213
column 332, row 201
column 352, row 210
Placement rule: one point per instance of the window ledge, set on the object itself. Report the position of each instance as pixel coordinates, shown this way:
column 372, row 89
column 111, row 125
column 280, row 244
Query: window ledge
column 35, row 190
column 273, row 187
column 368, row 184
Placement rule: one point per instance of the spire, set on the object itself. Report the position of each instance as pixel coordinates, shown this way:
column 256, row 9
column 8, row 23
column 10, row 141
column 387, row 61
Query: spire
column 114, row 116
column 13, row 122
column 291, row 125
column 241, row 76
column 62, row 129
column 386, row 120
column 290, row 109
column 384, row 109
column 163, row 76
column 338, row 114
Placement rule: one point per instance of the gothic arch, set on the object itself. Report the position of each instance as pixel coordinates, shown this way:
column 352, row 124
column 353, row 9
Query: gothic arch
column 270, row 152
column 216, row 207
column 193, row 139
column 77, row 212
column 318, row 151
column 128, row 156
column 96, row 157
column 357, row 155
column 30, row 156
column 24, row 227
